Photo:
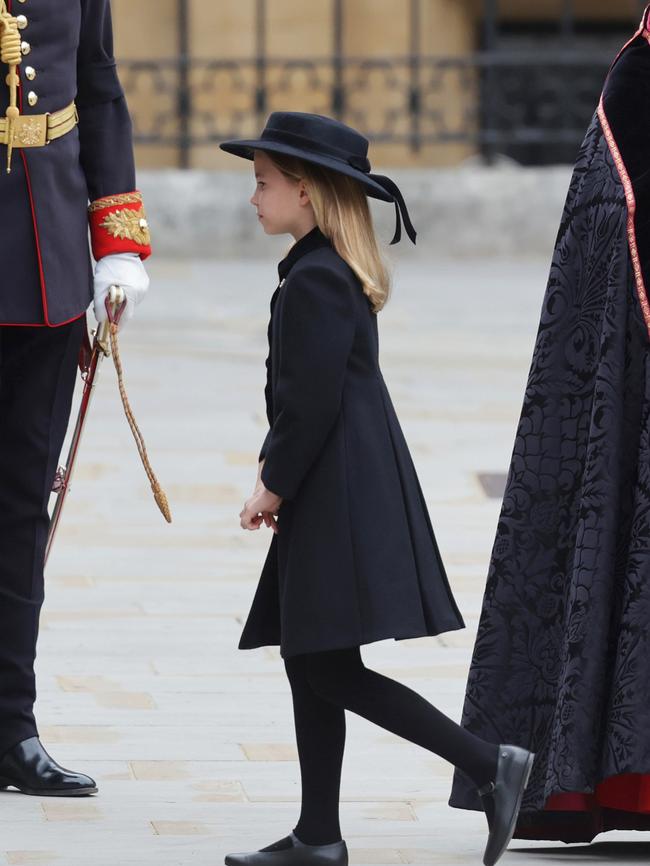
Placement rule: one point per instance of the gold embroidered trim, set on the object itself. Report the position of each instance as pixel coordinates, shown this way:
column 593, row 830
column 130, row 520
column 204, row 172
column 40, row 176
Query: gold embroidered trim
column 631, row 212
column 129, row 224
column 115, row 200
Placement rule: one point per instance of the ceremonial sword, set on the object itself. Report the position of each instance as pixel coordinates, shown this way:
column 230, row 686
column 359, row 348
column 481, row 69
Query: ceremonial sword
column 89, row 366
column 90, row 361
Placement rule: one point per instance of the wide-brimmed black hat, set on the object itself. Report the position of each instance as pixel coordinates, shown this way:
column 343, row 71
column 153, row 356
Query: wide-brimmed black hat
column 330, row 143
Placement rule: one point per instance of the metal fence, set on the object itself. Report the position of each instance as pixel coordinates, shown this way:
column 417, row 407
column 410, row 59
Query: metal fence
column 527, row 92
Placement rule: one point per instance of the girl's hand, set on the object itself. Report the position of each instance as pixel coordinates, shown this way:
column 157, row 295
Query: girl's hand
column 262, row 507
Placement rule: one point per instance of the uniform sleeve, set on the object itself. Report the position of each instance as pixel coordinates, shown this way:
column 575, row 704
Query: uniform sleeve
column 317, row 323
column 117, row 220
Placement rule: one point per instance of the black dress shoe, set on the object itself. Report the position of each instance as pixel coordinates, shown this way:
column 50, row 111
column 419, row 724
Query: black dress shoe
column 29, row 768
column 513, row 769
column 290, row 851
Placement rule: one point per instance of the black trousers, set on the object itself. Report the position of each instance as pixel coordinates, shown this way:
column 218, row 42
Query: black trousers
column 323, row 686
column 37, row 378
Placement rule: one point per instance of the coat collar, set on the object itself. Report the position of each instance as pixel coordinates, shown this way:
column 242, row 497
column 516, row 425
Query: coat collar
column 311, row 241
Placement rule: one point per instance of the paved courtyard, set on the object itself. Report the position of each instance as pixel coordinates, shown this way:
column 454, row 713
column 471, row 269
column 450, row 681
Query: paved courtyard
column 141, row 683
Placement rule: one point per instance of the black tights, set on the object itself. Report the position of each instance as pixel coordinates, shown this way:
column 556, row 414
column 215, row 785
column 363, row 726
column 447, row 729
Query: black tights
column 323, row 686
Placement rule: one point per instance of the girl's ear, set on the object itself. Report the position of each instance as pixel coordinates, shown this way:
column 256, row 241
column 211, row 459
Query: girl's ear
column 303, row 194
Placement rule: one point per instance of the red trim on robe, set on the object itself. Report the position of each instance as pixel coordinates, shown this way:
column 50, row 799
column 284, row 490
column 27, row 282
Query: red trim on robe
column 628, row 792
column 630, row 198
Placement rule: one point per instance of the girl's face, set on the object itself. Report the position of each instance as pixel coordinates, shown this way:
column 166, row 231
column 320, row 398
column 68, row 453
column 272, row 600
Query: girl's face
column 282, row 204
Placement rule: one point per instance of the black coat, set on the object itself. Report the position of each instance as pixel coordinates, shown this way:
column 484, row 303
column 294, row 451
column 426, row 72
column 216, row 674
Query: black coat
column 561, row 662
column 355, row 559
column 47, row 274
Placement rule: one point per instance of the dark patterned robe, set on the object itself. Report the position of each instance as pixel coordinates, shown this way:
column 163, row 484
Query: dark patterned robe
column 562, row 657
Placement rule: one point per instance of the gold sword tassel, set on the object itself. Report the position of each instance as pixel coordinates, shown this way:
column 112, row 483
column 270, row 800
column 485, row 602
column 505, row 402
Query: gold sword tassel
column 11, row 55
column 115, row 304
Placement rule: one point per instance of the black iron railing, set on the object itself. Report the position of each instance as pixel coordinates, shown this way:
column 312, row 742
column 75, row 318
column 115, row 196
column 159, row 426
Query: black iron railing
column 488, row 102
column 528, row 92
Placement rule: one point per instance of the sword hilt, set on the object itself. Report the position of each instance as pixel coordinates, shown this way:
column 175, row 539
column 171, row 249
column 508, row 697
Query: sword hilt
column 115, row 300
column 60, row 479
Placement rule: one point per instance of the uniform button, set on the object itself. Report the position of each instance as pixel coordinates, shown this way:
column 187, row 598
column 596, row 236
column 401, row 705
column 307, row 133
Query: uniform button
column 32, row 97
column 30, row 72
column 25, row 47
column 22, row 1
column 22, row 21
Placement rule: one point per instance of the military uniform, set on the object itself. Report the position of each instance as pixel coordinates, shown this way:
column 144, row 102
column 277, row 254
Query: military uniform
column 71, row 168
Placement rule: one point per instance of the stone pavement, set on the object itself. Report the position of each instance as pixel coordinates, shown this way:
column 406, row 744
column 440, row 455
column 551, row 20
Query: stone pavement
column 141, row 683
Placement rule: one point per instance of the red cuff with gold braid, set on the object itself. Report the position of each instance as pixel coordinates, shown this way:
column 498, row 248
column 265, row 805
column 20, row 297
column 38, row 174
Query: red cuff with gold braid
column 118, row 225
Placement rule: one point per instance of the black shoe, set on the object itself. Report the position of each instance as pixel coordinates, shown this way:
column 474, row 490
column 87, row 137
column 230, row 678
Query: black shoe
column 29, row 768
column 290, row 851
column 513, row 769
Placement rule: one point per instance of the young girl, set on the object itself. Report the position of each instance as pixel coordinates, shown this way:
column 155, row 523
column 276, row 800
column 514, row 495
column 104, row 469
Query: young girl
column 353, row 558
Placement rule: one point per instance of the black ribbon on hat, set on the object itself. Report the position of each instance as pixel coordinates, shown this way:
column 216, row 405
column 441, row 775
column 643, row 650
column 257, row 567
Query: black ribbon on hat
column 400, row 208
column 362, row 163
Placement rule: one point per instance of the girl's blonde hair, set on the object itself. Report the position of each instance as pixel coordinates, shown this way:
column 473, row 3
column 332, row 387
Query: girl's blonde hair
column 343, row 215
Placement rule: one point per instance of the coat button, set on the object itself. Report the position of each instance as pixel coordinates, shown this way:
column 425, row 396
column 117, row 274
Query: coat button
column 22, row 21
column 30, row 72
column 32, row 97
column 25, row 47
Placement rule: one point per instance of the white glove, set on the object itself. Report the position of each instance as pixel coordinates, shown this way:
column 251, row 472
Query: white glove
column 126, row 271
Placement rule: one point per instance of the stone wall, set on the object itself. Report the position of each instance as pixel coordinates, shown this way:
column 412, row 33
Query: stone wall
column 472, row 211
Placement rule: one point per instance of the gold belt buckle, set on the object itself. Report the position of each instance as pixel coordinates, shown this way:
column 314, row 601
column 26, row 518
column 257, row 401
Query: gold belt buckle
column 30, row 130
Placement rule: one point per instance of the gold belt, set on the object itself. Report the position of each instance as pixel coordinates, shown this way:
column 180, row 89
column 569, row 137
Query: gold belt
column 36, row 130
